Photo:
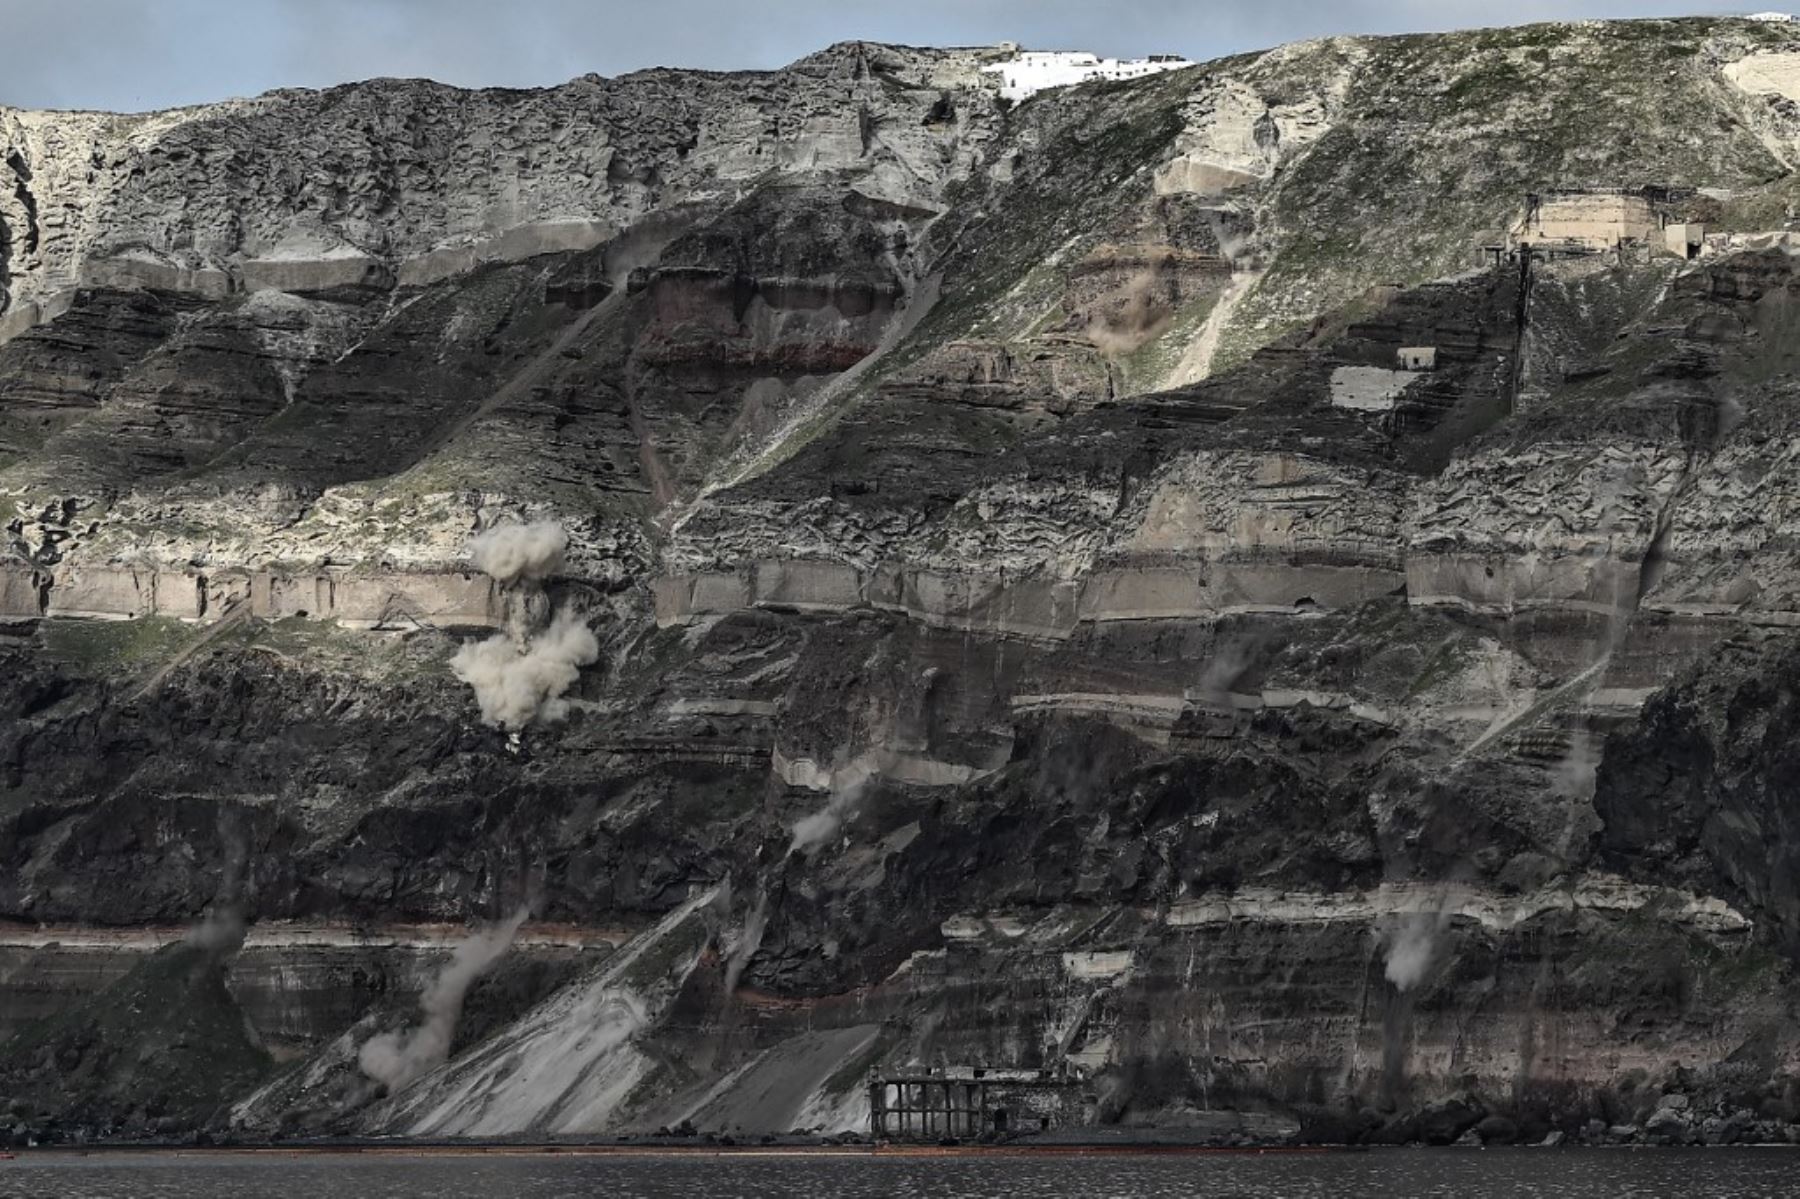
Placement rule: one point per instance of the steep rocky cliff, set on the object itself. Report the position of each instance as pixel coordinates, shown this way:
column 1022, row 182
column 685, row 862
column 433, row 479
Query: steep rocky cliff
column 1039, row 621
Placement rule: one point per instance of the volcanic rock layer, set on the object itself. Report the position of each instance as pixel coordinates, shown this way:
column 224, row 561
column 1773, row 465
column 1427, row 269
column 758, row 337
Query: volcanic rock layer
column 1041, row 618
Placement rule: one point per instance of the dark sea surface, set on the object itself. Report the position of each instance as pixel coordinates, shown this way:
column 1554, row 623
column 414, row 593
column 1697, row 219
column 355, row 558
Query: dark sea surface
column 1382, row 1174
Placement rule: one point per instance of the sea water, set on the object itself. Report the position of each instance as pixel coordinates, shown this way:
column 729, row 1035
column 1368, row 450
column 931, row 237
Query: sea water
column 1379, row 1174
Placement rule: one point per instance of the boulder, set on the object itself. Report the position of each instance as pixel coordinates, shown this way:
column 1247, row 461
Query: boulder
column 1497, row 1130
column 1442, row 1123
column 1668, row 1125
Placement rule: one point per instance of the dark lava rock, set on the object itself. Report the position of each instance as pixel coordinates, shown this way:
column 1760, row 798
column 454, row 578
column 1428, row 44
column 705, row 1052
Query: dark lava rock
column 1442, row 1123
column 1668, row 1126
column 162, row 1048
column 1497, row 1130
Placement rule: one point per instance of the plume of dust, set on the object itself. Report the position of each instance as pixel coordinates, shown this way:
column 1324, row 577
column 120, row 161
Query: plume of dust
column 1226, row 665
column 512, row 552
column 1573, row 776
column 517, row 684
column 749, row 940
column 1574, row 779
column 1124, row 326
column 222, row 928
column 1412, row 942
column 813, row 832
column 399, row 1057
column 1730, row 415
column 1410, row 946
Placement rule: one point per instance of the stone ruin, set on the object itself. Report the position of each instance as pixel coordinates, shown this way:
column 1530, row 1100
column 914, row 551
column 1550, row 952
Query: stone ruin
column 971, row 1102
column 1576, row 222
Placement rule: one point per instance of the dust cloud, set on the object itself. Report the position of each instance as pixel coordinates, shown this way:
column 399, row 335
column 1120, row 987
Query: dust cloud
column 509, row 553
column 1139, row 317
column 1411, row 946
column 398, row 1058
column 520, row 677
column 812, row 833
column 516, row 684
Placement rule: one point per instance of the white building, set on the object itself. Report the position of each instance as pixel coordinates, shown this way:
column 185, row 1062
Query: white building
column 1036, row 70
column 1774, row 18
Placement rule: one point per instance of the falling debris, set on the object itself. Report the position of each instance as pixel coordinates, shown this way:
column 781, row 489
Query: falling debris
column 1229, row 660
column 1411, row 945
column 516, row 684
column 1139, row 316
column 747, row 941
column 397, row 1058
column 1412, row 940
column 221, row 930
column 520, row 676
column 510, row 553
column 819, row 829
column 1573, row 777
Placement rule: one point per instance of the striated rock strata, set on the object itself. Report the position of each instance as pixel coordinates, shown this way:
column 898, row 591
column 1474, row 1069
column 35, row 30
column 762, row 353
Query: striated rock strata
column 1043, row 619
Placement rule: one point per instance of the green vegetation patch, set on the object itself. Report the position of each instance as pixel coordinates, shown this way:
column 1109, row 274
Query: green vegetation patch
column 321, row 645
column 139, row 647
column 117, row 646
column 1439, row 138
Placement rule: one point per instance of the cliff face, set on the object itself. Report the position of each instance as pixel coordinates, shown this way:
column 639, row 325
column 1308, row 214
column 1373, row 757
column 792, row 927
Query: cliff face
column 1039, row 621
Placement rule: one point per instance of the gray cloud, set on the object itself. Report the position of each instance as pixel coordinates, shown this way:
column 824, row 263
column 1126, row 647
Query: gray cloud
column 138, row 54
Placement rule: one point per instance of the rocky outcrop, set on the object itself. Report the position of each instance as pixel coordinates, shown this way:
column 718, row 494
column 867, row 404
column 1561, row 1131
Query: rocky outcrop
column 417, row 181
column 1699, row 786
column 1121, row 584
column 156, row 1052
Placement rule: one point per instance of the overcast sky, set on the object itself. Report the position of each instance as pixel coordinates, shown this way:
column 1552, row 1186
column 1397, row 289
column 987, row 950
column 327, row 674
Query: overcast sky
column 130, row 55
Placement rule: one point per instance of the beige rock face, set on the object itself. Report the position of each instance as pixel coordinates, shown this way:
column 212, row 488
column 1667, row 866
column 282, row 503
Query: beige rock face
column 21, row 593
column 1570, row 528
column 118, row 593
column 1224, row 504
column 982, row 601
column 1239, row 531
column 1731, row 538
column 1237, row 131
column 1368, row 388
column 1216, row 534
column 1768, row 73
column 1243, row 532
column 1597, row 221
column 479, row 180
column 1770, row 82
column 115, row 592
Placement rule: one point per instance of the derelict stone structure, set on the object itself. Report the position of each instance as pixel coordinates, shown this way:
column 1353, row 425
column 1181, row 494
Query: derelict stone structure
column 960, row 1103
